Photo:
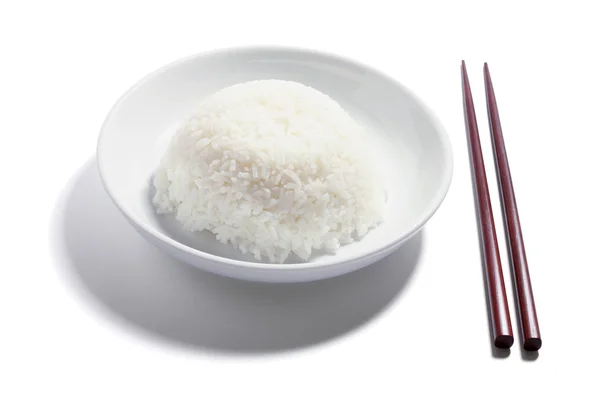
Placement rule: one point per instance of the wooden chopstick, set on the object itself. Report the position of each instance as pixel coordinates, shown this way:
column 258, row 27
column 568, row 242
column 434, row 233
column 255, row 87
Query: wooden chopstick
column 530, row 330
column 499, row 314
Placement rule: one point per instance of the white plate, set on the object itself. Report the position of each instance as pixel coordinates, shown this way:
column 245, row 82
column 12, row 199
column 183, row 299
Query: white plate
column 414, row 151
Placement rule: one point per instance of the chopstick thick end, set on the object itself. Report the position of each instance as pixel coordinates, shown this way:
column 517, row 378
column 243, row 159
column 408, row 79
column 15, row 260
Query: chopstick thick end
column 532, row 344
column 504, row 341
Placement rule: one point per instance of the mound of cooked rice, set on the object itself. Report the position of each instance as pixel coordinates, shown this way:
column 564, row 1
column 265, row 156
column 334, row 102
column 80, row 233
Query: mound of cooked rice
column 273, row 167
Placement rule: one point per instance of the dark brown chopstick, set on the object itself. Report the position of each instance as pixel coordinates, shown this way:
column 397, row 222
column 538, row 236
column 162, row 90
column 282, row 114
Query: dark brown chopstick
column 530, row 330
column 500, row 317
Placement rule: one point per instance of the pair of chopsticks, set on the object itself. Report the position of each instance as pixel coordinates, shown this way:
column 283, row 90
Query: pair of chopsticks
column 499, row 314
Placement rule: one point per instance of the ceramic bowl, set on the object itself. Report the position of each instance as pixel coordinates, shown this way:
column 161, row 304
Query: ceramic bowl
column 413, row 148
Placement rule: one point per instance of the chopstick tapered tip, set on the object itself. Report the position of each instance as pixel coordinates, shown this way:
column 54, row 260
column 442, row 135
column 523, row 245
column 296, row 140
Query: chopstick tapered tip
column 463, row 70
column 486, row 71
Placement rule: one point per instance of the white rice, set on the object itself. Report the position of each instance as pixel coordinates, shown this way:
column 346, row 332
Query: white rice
column 273, row 167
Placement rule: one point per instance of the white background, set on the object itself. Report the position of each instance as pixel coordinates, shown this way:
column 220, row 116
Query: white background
column 89, row 310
